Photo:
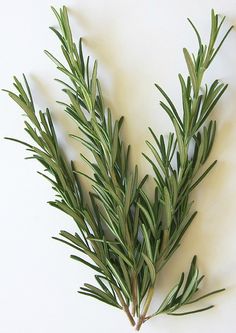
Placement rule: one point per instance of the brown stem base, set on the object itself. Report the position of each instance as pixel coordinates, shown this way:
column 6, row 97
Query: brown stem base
column 140, row 323
column 125, row 307
column 130, row 317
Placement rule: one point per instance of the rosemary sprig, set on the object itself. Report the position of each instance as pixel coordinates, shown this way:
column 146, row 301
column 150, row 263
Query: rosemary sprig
column 123, row 235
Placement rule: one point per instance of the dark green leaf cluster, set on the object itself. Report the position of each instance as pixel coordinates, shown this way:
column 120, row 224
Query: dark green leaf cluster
column 123, row 235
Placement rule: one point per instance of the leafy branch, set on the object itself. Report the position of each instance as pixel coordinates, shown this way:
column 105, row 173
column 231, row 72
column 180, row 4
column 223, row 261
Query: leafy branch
column 123, row 235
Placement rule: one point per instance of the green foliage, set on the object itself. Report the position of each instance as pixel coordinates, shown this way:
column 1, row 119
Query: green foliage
column 123, row 235
column 178, row 297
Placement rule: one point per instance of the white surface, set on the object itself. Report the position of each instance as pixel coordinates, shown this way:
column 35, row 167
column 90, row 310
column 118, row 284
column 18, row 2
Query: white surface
column 137, row 43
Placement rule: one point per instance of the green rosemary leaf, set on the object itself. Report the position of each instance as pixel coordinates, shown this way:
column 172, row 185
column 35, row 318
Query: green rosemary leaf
column 146, row 279
column 57, row 33
column 86, row 263
column 203, row 175
column 168, row 207
column 99, row 263
column 99, row 279
column 206, row 295
column 190, row 312
column 147, row 242
column 148, row 218
column 126, row 274
column 190, row 287
column 168, row 111
column 173, row 302
column 185, row 102
column 136, row 221
column 76, row 106
column 178, row 234
column 221, row 43
column 173, row 109
column 196, row 31
column 120, row 254
column 180, row 143
column 143, row 181
column 18, row 141
column 119, row 279
column 167, row 300
column 93, row 84
column 151, row 268
column 211, row 107
column 157, row 156
column 67, row 243
column 192, row 270
column 74, row 239
column 102, row 299
column 97, row 292
column 57, row 62
column 58, row 17
column 148, row 205
column 81, row 57
column 191, row 70
column 115, row 142
column 160, row 179
column 63, row 207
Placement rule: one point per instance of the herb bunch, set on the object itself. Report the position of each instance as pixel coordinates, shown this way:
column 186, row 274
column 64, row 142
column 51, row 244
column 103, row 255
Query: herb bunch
column 123, row 235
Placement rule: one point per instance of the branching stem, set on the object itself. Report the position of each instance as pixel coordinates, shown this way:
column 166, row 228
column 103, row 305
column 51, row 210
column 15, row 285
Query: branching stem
column 145, row 308
column 125, row 307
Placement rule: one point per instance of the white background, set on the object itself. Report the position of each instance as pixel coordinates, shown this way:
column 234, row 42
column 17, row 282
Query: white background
column 136, row 43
